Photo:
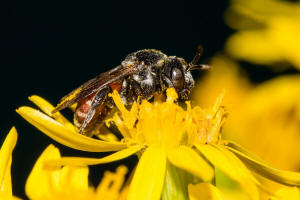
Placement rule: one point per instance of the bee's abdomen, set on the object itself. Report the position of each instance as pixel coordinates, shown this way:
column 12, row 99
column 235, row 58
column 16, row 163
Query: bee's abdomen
column 83, row 109
column 100, row 112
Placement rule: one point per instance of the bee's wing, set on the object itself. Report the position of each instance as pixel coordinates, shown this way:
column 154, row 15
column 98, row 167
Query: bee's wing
column 95, row 84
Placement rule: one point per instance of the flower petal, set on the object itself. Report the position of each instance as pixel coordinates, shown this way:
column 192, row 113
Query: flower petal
column 281, row 176
column 78, row 161
column 107, row 136
column 111, row 184
column 65, row 136
column 72, row 178
column 242, row 150
column 175, row 184
column 44, row 182
column 38, row 184
column 204, row 191
column 6, row 197
column 224, row 160
column 287, row 193
column 148, row 179
column 187, row 159
column 5, row 161
column 46, row 107
column 5, row 184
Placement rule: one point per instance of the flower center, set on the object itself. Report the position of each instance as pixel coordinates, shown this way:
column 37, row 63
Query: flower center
column 166, row 124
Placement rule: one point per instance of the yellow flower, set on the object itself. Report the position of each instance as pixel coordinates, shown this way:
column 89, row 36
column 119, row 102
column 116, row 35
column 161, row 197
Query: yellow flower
column 70, row 182
column 224, row 75
column 169, row 140
column 268, row 31
column 5, row 164
column 271, row 112
column 263, row 118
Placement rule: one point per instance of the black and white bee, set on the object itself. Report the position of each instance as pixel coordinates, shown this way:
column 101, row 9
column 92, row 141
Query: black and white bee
column 140, row 75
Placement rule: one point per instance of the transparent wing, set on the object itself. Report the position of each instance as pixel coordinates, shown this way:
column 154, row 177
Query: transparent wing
column 94, row 85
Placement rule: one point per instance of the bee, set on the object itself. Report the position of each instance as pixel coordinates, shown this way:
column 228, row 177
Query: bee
column 140, row 75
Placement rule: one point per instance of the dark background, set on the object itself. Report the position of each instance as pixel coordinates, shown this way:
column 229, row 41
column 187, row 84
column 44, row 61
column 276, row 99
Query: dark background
column 51, row 47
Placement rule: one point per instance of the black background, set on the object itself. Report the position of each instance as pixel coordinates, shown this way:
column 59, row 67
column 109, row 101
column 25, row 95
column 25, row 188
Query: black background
column 51, row 47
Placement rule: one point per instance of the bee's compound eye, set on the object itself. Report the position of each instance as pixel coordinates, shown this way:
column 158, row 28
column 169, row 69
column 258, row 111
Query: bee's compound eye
column 177, row 78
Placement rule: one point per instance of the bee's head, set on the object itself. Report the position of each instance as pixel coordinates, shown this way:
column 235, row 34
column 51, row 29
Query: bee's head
column 175, row 70
column 178, row 72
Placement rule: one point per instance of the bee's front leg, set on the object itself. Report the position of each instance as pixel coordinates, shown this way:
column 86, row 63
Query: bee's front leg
column 167, row 82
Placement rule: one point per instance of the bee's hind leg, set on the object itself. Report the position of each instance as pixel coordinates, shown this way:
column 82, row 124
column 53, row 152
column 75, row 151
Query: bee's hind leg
column 99, row 99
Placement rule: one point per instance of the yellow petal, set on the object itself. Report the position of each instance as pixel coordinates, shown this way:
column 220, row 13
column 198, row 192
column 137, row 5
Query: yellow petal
column 187, row 159
column 124, row 193
column 254, row 46
column 6, row 197
column 46, row 107
column 205, row 191
column 230, row 165
column 111, row 184
column 175, row 184
column 106, row 135
column 72, row 178
column 5, row 184
column 78, row 161
column 48, row 183
column 281, row 176
column 38, row 184
column 249, row 183
column 65, row 136
column 73, row 107
column 287, row 193
column 5, row 161
column 148, row 179
column 242, row 150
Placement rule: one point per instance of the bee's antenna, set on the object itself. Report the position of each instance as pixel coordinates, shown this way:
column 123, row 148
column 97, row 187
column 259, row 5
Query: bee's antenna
column 193, row 64
column 197, row 56
column 200, row 67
